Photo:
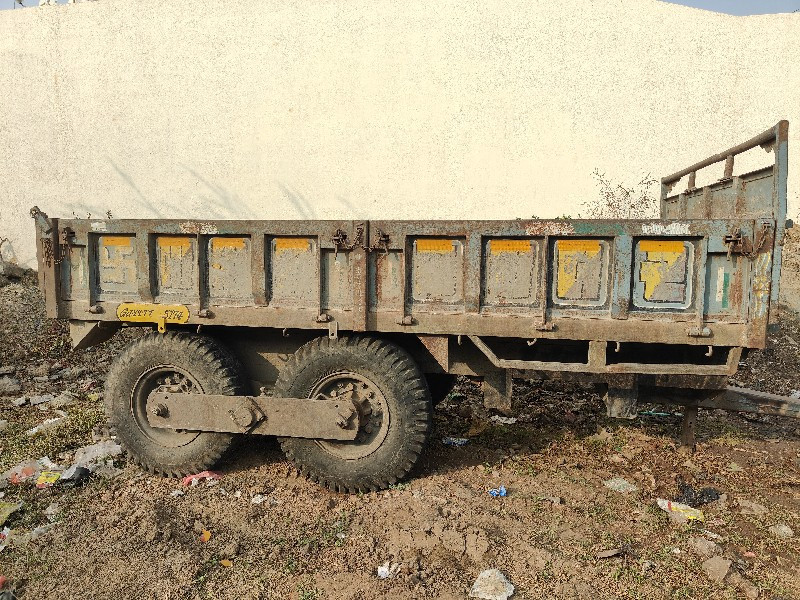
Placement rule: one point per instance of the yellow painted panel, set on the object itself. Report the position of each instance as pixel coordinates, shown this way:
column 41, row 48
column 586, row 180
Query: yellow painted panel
column 220, row 243
column 167, row 242
column 570, row 254
column 590, row 247
column 292, row 243
column 116, row 240
column 134, row 312
column 662, row 246
column 661, row 255
column 434, row 245
column 500, row 246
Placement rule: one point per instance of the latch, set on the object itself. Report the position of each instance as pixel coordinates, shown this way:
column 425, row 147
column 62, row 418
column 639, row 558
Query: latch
column 739, row 244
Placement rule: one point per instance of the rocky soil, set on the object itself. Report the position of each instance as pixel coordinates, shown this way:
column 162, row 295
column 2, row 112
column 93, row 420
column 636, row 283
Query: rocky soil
column 563, row 530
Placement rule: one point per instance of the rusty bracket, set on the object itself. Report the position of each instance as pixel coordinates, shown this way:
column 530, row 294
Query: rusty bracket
column 339, row 240
column 382, row 242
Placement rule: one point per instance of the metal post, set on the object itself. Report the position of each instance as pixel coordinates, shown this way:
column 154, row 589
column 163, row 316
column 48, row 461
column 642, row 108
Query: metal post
column 688, row 439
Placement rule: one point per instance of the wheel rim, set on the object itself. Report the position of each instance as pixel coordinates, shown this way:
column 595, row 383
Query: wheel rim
column 373, row 413
column 162, row 378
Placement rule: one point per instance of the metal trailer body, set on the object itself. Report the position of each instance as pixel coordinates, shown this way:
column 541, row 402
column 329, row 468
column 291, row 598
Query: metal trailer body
column 632, row 304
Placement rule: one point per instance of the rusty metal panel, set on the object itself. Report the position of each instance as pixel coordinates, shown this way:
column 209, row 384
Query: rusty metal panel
column 294, row 271
column 437, row 273
column 664, row 273
column 581, row 272
column 176, row 267
column 725, row 286
column 386, row 280
column 510, row 273
column 337, row 280
column 229, row 265
column 115, row 274
column 74, row 274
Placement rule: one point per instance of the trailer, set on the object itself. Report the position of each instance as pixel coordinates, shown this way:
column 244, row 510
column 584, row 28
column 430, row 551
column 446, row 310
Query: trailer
column 339, row 336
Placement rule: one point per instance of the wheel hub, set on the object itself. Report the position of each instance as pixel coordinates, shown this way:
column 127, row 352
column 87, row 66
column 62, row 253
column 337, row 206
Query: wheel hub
column 371, row 409
column 162, row 378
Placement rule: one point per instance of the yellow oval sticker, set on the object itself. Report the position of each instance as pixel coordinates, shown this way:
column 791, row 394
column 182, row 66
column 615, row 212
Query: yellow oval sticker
column 160, row 314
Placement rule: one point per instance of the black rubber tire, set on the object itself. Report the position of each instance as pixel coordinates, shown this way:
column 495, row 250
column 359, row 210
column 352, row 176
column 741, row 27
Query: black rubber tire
column 396, row 376
column 214, row 370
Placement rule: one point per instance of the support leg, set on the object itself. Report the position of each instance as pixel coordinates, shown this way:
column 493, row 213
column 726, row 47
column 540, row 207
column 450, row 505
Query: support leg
column 688, row 439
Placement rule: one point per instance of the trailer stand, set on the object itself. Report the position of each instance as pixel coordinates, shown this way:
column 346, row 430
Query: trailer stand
column 688, row 430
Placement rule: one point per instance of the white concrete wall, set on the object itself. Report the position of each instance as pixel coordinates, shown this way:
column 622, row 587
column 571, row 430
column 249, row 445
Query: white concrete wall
column 371, row 108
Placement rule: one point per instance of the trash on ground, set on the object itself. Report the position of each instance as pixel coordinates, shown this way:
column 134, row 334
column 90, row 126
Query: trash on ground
column 48, row 424
column 388, row 570
column 226, row 562
column 491, row 584
column 618, row 484
column 7, row 509
column 679, row 512
column 51, row 512
column 258, row 499
column 205, row 536
column 692, row 497
column 75, row 475
column 503, row 420
column 498, row 492
column 176, row 493
column 656, row 413
column 454, row 441
column 94, row 453
column 47, row 479
column 21, row 472
column 781, row 531
column 208, row 476
column 5, row 537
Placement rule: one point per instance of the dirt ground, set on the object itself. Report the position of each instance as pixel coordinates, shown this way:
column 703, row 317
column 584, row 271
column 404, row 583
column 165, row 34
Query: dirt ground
column 136, row 536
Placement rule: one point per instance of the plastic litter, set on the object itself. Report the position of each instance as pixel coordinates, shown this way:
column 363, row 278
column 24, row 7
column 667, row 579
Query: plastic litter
column 692, row 497
column 51, row 512
column 258, row 499
column 454, row 441
column 47, row 479
column 75, row 475
column 207, row 476
column 679, row 512
column 618, row 484
column 388, row 570
column 95, row 453
column 5, row 536
column 48, row 424
column 499, row 492
column 503, row 420
column 7, row 509
column 205, row 536
column 491, row 584
column 226, row 562
column 21, row 472
column 176, row 493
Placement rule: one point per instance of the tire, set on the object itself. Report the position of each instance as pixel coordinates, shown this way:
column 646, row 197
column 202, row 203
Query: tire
column 195, row 363
column 391, row 396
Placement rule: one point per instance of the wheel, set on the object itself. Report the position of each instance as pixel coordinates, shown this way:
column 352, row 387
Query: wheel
column 177, row 362
column 391, row 397
column 440, row 385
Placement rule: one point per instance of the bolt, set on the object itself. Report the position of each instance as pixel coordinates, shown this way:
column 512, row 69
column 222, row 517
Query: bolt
column 161, row 410
column 341, row 422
